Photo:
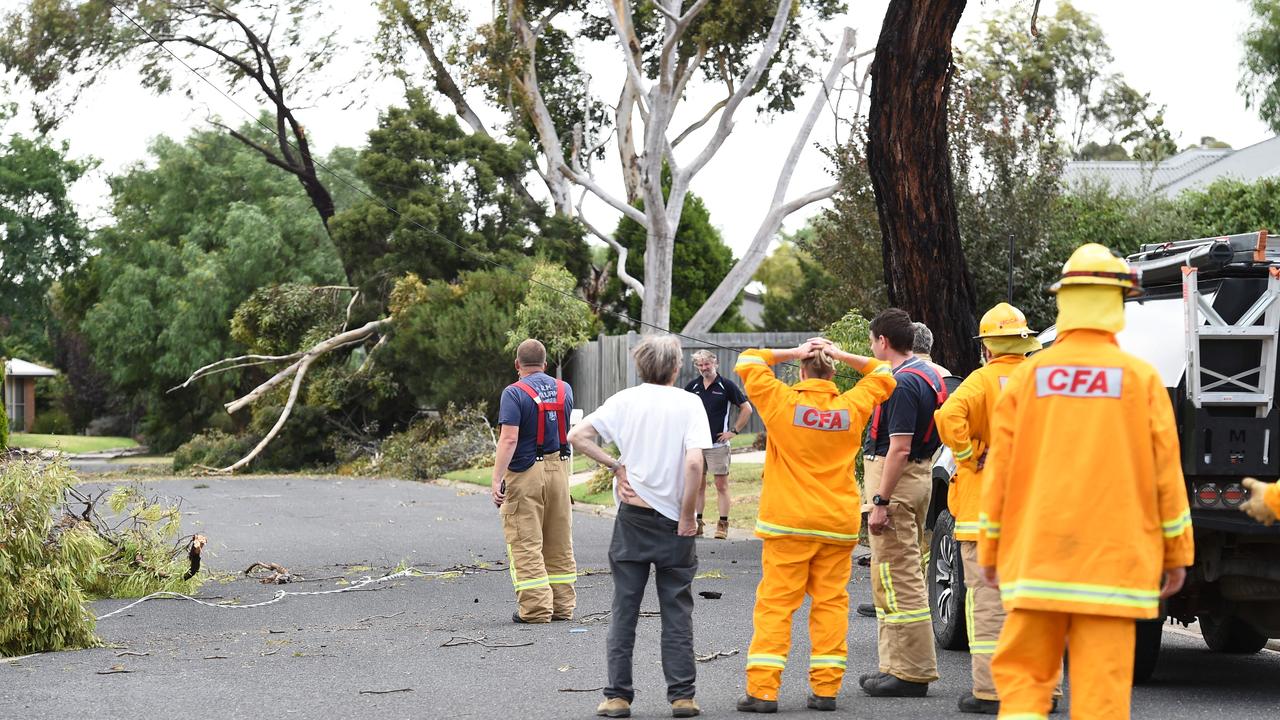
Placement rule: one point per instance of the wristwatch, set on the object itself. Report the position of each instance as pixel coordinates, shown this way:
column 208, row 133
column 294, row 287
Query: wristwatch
column 879, row 501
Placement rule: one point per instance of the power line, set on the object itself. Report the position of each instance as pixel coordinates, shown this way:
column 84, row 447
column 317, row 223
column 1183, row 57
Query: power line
column 598, row 307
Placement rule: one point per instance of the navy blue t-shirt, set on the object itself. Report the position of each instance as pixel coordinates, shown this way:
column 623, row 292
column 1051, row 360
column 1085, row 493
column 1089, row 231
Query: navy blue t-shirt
column 517, row 408
column 908, row 411
column 716, row 400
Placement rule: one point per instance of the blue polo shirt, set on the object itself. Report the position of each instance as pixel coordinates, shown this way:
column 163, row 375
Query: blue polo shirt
column 517, row 408
column 716, row 399
column 908, row 411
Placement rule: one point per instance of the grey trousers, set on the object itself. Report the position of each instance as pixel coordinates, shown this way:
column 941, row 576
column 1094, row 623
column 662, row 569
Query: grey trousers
column 641, row 538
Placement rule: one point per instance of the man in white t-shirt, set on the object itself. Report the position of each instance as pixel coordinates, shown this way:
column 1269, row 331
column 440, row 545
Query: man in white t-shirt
column 660, row 431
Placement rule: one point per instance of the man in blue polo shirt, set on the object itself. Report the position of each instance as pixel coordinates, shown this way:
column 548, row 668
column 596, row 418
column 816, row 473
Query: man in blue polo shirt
column 717, row 394
column 531, row 488
column 901, row 441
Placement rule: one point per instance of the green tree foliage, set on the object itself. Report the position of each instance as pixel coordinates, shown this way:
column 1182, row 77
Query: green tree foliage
column 1063, row 77
column 449, row 190
column 41, row 600
column 449, row 340
column 700, row 260
column 41, row 238
column 194, row 236
column 1260, row 66
column 853, row 334
column 552, row 314
column 4, row 428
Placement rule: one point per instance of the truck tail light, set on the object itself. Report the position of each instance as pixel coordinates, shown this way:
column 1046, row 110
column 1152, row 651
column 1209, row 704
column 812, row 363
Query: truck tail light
column 1233, row 495
column 1207, row 495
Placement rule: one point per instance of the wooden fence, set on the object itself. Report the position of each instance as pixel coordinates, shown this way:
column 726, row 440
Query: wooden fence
column 604, row 366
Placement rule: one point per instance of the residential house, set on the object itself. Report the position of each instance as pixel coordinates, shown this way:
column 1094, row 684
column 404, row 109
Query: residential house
column 1191, row 169
column 20, row 392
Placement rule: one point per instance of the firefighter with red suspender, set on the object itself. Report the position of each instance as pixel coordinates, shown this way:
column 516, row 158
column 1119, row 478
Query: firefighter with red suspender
column 531, row 489
column 898, row 479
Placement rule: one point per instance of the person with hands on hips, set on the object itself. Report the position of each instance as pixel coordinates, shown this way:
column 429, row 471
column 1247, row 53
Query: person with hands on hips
column 660, row 431
column 718, row 394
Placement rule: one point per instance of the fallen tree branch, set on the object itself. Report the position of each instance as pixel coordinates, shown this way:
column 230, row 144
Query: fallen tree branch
column 460, row 640
column 717, row 654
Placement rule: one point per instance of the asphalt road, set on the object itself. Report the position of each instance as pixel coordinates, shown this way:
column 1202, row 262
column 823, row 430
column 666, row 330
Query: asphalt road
column 378, row 653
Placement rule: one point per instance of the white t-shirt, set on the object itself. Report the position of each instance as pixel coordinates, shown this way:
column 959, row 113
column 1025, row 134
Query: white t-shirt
column 653, row 426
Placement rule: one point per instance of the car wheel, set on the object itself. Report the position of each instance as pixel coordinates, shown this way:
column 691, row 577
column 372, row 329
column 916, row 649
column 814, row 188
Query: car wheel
column 1146, row 649
column 1230, row 635
column 946, row 586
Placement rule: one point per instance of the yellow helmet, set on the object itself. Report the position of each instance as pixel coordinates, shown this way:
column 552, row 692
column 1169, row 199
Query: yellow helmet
column 1004, row 320
column 1094, row 264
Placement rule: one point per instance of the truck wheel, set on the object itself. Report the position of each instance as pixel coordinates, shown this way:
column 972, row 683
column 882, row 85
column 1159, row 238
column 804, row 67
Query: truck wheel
column 1230, row 635
column 946, row 586
column 1147, row 649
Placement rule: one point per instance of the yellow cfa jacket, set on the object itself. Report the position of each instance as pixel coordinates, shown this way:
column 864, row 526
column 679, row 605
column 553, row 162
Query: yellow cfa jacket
column 1083, row 503
column 964, row 425
column 815, row 434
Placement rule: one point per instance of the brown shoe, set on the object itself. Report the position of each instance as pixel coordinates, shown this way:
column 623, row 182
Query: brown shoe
column 722, row 530
column 701, row 527
column 685, row 708
column 614, row 708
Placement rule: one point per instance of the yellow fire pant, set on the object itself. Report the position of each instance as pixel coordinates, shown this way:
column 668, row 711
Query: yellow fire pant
column 791, row 569
column 983, row 617
column 897, row 577
column 1028, row 663
column 537, row 521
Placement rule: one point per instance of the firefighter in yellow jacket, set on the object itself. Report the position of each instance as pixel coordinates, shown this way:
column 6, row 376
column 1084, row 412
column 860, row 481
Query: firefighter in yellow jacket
column 1085, row 526
column 964, row 425
column 808, row 515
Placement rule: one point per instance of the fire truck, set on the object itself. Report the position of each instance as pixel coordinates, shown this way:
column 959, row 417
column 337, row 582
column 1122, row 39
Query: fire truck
column 1207, row 320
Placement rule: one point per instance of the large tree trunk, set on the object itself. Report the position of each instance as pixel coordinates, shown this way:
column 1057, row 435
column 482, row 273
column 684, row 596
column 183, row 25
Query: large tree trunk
column 924, row 264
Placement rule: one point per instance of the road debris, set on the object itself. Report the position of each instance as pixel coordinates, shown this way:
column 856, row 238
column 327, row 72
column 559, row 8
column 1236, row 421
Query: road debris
column 133, row 653
column 114, row 670
column 715, row 655
column 482, row 641
column 581, row 690
column 711, row 594
column 385, row 692
column 280, row 575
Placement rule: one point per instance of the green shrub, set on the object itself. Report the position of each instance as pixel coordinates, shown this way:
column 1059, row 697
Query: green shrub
column 41, row 602
column 52, row 422
column 4, row 427
column 139, row 555
column 454, row 439
column 212, row 449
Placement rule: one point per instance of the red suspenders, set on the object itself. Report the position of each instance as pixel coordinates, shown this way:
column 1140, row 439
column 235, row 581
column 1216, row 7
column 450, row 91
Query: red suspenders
column 940, row 390
column 544, row 411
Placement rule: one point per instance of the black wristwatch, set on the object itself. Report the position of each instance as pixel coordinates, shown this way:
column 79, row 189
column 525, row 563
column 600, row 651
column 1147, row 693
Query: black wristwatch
column 879, row 501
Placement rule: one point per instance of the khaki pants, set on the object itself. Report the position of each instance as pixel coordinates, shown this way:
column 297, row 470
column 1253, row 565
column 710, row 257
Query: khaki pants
column 983, row 617
column 537, row 522
column 897, row 577
column 790, row 569
column 1027, row 664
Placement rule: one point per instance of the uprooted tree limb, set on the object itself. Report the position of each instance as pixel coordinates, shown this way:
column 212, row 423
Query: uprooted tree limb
column 297, row 369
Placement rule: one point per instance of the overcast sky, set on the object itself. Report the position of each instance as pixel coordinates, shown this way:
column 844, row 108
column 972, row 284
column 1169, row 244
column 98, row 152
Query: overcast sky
column 1186, row 53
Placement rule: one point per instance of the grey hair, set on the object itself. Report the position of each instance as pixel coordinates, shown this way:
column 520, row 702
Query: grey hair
column 705, row 356
column 924, row 339
column 658, row 358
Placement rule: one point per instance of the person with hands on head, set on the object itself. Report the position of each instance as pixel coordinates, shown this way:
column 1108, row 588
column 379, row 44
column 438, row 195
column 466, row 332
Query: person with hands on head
column 1263, row 504
column 660, row 431
column 808, row 517
column 1076, row 568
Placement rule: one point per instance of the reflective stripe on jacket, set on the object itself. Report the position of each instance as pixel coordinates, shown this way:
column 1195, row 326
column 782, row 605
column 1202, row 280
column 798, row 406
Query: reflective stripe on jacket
column 815, row 433
column 964, row 425
column 1084, row 504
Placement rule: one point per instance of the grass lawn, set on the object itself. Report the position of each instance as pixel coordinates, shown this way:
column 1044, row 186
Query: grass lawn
column 741, row 441
column 70, row 443
column 484, row 475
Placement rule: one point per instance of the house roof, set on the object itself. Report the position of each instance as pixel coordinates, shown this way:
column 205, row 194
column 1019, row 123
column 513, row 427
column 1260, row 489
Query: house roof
column 21, row 368
column 1188, row 170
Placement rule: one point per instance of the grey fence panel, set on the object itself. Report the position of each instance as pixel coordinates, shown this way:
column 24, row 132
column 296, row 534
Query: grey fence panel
column 604, row 366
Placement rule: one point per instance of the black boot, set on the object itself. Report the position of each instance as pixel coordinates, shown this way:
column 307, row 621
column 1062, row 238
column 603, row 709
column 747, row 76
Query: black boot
column 746, row 703
column 866, row 610
column 819, row 702
column 862, row 679
column 890, row 686
column 977, row 706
